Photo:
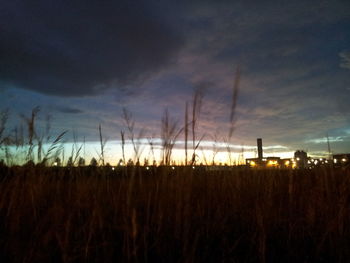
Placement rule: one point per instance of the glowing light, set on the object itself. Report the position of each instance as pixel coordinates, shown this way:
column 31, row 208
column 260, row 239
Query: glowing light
column 55, row 164
column 335, row 160
column 173, row 167
column 287, row 162
column 248, row 161
column 298, row 159
column 343, row 160
column 315, row 162
column 113, row 168
column 147, row 168
column 252, row 163
column 308, row 161
column 272, row 163
column 193, row 167
column 326, row 161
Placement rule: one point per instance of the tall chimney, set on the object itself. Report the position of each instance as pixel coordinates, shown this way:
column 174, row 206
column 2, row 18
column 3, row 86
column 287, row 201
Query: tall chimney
column 260, row 149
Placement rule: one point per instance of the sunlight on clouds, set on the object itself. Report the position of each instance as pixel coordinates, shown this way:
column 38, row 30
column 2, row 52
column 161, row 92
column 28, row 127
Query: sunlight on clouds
column 324, row 140
column 206, row 153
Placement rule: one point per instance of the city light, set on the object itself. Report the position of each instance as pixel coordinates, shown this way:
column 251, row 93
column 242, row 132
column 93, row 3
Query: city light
column 272, row 163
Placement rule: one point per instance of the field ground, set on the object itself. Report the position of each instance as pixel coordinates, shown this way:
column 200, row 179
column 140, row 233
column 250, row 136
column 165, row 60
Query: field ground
column 182, row 215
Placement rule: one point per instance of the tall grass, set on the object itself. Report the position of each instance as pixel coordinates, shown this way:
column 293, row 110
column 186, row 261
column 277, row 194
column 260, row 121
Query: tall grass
column 102, row 145
column 135, row 140
column 32, row 135
column 165, row 214
column 3, row 120
column 196, row 109
column 186, row 132
column 169, row 134
column 182, row 215
column 234, row 103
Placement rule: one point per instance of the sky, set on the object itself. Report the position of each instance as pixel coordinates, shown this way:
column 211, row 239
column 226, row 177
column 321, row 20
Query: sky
column 82, row 62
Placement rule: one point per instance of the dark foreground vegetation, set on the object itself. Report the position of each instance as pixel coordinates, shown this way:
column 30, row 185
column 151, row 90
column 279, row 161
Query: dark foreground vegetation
column 164, row 215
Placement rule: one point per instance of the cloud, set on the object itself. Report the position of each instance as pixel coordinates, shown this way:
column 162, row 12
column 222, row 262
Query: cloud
column 345, row 59
column 78, row 48
column 292, row 89
column 69, row 110
column 324, row 140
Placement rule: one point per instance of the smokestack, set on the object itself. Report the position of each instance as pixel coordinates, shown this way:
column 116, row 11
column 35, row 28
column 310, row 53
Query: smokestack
column 260, row 150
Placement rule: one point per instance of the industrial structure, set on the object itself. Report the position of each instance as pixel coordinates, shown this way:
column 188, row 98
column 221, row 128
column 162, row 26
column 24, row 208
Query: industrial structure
column 300, row 160
column 271, row 162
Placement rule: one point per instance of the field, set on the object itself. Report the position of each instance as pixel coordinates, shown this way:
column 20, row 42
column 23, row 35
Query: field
column 132, row 131
column 95, row 214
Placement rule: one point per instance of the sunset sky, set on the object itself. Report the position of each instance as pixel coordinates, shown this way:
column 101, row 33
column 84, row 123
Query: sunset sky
column 82, row 62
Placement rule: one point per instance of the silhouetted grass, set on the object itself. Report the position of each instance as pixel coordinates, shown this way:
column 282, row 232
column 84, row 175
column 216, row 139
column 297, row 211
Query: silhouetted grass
column 132, row 214
column 167, row 213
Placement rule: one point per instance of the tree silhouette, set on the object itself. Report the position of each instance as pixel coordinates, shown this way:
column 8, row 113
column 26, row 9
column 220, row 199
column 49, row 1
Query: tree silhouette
column 57, row 162
column 130, row 162
column 93, row 162
column 70, row 161
column 81, row 161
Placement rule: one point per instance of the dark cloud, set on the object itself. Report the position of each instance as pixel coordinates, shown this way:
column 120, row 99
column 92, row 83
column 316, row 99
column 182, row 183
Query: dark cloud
column 69, row 110
column 77, row 48
column 293, row 55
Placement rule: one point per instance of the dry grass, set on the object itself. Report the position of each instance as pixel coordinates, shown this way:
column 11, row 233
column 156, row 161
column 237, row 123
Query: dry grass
column 181, row 215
